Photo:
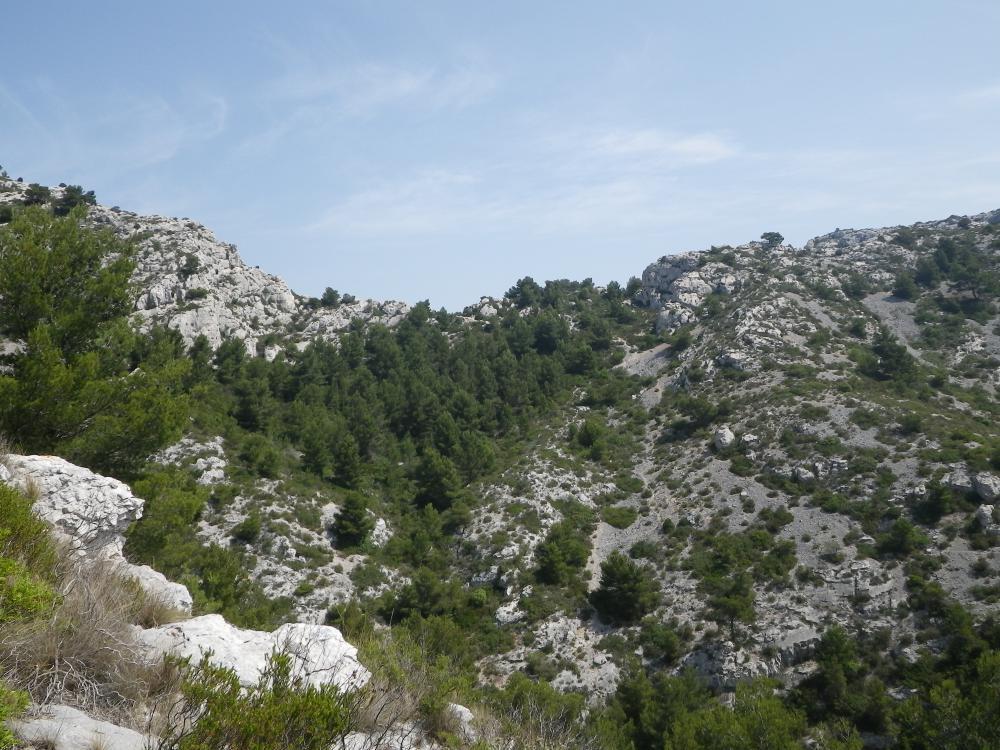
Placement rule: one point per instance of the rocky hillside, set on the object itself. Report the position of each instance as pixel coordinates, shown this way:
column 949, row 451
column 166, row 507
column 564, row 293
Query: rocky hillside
column 199, row 286
column 752, row 462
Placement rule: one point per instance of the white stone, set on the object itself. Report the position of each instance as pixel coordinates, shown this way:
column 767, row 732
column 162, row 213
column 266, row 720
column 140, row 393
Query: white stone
column 959, row 480
column 465, row 721
column 155, row 584
column 319, row 652
column 5, row 475
column 987, row 486
column 803, row 475
column 984, row 516
column 380, row 533
column 89, row 510
column 723, row 438
column 65, row 728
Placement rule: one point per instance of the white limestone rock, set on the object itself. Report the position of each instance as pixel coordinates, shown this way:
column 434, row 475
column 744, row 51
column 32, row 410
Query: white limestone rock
column 66, row 728
column 465, row 722
column 987, row 486
column 319, row 652
column 381, row 533
column 984, row 517
column 90, row 511
column 155, row 584
column 959, row 480
column 724, row 438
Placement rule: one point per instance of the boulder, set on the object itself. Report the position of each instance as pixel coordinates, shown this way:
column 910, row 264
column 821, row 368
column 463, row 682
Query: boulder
column 320, row 655
column 959, row 480
column 803, row 475
column 987, row 486
column 464, row 721
column 65, row 728
column 984, row 517
column 90, row 511
column 157, row 587
column 724, row 438
column 380, row 533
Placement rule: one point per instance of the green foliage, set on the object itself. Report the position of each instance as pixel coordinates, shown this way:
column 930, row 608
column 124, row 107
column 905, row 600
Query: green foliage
column 353, row 522
column 905, row 287
column 165, row 538
column 12, row 704
column 27, row 559
column 952, row 715
column 73, row 196
column 619, row 516
column 86, row 387
column 627, row 591
column 772, row 239
column 36, row 195
column 887, row 359
column 23, row 595
column 902, row 539
column 563, row 553
column 24, row 537
column 248, row 530
column 276, row 713
column 61, row 275
column 678, row 713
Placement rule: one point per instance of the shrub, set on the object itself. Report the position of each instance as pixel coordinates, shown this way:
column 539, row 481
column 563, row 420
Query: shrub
column 627, row 591
column 23, row 595
column 562, row 554
column 354, row 522
column 215, row 711
column 247, row 531
column 24, row 537
column 618, row 516
column 12, row 703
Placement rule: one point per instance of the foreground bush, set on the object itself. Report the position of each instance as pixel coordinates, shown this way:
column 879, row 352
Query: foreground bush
column 216, row 713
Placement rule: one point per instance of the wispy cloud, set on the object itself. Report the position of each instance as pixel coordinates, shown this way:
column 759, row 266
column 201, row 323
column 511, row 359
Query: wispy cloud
column 980, row 96
column 363, row 88
column 108, row 135
column 665, row 147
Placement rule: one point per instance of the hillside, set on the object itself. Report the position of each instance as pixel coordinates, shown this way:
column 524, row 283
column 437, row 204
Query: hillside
column 750, row 462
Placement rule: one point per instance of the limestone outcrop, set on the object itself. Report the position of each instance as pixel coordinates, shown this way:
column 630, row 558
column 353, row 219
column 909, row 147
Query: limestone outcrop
column 319, row 652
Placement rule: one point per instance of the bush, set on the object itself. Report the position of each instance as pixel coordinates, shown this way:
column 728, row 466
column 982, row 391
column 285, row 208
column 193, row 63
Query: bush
column 354, row 523
column 247, row 531
column 627, row 591
column 619, row 517
column 279, row 712
column 23, row 595
column 12, row 704
column 562, row 554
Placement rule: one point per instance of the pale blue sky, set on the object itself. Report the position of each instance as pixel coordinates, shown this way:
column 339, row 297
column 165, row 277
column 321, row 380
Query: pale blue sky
column 443, row 149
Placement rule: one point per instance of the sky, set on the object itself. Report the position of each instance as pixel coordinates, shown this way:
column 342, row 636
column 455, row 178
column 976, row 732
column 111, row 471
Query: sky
column 442, row 150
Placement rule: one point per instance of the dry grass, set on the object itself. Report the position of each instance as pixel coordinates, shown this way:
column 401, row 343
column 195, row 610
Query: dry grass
column 84, row 654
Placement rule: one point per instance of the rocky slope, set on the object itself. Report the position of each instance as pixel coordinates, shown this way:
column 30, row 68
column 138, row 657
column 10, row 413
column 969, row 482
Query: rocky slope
column 772, row 332
column 198, row 285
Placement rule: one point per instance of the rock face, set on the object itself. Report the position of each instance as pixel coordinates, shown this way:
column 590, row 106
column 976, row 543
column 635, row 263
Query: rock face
column 198, row 285
column 65, row 728
column 192, row 282
column 987, row 486
column 320, row 653
column 91, row 513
